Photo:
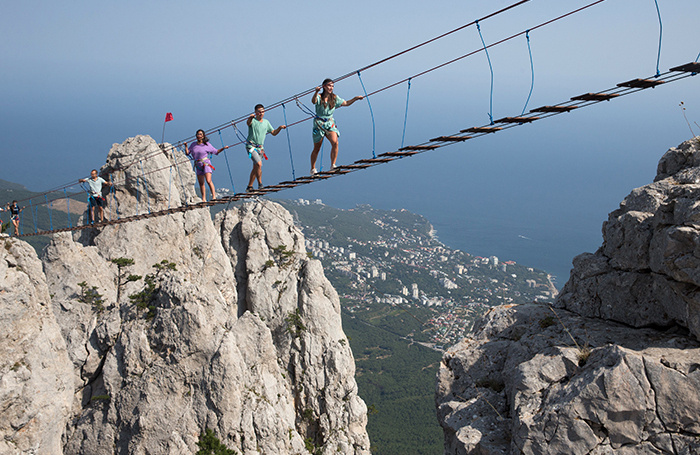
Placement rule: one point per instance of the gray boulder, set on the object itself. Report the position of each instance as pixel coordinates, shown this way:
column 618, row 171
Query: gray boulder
column 36, row 386
column 612, row 367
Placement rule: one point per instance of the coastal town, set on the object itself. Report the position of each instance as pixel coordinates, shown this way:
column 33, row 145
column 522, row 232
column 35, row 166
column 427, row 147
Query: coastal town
column 391, row 271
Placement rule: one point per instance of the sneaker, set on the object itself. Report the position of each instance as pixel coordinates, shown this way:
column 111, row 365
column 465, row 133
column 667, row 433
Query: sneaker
column 249, row 189
column 313, row 171
column 260, row 186
column 333, row 166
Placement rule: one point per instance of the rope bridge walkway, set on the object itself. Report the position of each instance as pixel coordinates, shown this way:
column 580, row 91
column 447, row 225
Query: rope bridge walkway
column 576, row 102
column 139, row 179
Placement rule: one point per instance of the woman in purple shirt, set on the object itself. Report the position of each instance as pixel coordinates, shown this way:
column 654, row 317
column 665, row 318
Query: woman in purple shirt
column 200, row 151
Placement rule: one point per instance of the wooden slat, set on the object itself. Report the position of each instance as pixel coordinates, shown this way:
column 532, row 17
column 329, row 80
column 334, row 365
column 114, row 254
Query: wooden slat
column 692, row 67
column 517, row 119
column 595, row 97
column 418, row 147
column 399, row 154
column 353, row 166
column 450, row 138
column 554, row 109
column 482, row 129
column 375, row 160
column 640, row 83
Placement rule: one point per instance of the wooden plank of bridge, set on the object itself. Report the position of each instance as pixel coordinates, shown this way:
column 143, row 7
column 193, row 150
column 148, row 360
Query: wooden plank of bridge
column 595, row 97
column 640, row 83
column 450, row 138
column 556, row 109
column 692, row 67
column 482, row 129
column 518, row 119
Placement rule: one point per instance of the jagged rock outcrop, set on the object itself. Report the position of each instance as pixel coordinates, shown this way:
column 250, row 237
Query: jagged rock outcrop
column 614, row 366
column 35, row 390
column 226, row 325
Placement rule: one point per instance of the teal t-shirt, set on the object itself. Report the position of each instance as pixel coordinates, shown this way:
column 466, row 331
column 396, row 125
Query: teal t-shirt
column 325, row 111
column 257, row 131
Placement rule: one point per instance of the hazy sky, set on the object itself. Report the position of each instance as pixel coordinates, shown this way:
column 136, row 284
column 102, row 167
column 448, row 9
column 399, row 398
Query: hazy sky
column 79, row 76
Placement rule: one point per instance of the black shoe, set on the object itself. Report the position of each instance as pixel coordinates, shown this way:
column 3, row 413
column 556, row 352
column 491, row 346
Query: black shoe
column 249, row 189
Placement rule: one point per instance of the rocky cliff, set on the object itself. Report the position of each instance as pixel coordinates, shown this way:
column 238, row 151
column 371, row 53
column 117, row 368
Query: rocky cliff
column 614, row 366
column 134, row 338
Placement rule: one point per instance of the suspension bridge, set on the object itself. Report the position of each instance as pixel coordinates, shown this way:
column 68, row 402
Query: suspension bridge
column 524, row 117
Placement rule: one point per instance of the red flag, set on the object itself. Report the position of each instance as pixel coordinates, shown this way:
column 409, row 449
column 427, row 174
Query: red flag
column 168, row 116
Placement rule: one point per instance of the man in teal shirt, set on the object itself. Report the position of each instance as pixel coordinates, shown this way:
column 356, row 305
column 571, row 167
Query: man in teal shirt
column 258, row 127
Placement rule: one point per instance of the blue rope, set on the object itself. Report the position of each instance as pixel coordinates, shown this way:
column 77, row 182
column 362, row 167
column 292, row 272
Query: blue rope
column 90, row 201
column 697, row 58
column 374, row 134
column 289, row 142
column 70, row 225
column 661, row 28
column 145, row 185
column 50, row 206
column 405, row 117
column 304, row 108
column 227, row 166
column 478, row 27
column 532, row 71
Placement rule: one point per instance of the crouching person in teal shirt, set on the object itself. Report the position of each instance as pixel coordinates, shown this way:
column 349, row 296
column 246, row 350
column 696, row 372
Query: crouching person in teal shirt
column 258, row 127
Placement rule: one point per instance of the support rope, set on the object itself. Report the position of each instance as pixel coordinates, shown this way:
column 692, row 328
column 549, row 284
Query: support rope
column 478, row 27
column 289, row 142
column 532, row 72
column 230, row 176
column 405, row 117
column 374, row 133
column 661, row 28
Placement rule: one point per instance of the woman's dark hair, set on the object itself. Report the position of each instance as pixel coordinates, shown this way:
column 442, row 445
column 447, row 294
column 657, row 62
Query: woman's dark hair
column 324, row 95
column 14, row 202
column 258, row 106
column 205, row 139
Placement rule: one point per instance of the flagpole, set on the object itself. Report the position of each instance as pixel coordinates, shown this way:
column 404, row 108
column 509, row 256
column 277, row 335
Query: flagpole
column 168, row 117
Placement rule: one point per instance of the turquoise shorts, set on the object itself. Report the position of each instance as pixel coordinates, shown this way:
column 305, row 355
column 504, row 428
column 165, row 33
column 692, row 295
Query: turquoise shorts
column 322, row 127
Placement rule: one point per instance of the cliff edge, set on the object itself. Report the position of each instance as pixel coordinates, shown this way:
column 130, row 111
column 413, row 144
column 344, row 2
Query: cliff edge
column 136, row 337
column 613, row 366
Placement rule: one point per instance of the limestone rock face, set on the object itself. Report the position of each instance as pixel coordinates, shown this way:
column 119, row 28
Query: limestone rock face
column 612, row 368
column 535, row 382
column 647, row 271
column 36, row 390
column 174, row 324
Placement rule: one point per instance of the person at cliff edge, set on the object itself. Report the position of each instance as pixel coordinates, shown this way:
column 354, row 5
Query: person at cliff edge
column 258, row 127
column 14, row 210
column 95, row 198
column 324, row 125
column 200, row 151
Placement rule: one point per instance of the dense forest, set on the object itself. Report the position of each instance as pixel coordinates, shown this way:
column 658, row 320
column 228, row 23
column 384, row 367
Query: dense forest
column 397, row 381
